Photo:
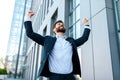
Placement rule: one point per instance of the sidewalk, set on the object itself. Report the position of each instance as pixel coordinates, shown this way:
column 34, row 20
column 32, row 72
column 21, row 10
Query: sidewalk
column 12, row 79
column 5, row 77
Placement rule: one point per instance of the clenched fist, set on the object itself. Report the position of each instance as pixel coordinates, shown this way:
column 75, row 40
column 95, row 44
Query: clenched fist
column 85, row 21
column 30, row 14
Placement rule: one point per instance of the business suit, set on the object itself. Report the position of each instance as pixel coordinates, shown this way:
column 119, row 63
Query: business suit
column 48, row 43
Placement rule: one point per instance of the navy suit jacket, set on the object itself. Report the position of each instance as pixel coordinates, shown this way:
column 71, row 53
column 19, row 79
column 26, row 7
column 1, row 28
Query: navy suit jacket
column 48, row 43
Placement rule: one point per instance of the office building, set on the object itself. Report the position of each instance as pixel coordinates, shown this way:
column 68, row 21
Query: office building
column 100, row 55
column 17, row 40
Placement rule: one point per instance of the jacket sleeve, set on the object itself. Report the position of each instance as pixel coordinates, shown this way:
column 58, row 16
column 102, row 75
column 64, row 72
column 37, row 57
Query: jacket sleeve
column 32, row 35
column 83, row 38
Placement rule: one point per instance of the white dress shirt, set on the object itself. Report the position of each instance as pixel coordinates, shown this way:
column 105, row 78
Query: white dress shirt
column 60, row 60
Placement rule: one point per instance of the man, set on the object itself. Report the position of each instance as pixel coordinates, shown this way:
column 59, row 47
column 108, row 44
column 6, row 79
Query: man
column 60, row 60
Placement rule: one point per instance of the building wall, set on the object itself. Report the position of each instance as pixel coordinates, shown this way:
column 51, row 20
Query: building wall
column 99, row 55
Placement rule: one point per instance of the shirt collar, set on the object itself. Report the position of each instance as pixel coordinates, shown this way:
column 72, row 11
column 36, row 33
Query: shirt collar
column 64, row 37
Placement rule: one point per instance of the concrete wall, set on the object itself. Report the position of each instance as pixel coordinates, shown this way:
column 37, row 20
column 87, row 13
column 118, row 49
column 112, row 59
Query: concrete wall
column 100, row 52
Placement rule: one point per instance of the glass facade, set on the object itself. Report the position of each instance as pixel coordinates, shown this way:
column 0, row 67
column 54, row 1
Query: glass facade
column 17, row 40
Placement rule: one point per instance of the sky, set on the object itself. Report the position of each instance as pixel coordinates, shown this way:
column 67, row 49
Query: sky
column 6, row 12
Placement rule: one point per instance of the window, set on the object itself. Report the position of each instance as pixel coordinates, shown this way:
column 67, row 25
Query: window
column 74, row 18
column 53, row 20
column 117, row 14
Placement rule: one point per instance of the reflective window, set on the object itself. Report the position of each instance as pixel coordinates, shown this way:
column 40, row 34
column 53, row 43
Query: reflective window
column 74, row 18
column 118, row 10
column 14, row 37
column 71, row 31
column 117, row 14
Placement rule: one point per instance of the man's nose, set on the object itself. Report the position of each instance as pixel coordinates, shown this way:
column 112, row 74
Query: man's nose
column 61, row 25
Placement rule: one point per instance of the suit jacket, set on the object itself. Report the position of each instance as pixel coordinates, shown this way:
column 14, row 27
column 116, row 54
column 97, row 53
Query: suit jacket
column 48, row 43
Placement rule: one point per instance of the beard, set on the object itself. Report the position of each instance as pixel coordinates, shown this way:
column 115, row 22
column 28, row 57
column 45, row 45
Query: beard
column 61, row 30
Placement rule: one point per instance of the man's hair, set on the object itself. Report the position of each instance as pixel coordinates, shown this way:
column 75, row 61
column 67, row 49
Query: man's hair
column 59, row 21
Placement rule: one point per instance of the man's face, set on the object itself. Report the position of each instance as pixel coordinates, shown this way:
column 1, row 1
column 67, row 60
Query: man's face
column 59, row 27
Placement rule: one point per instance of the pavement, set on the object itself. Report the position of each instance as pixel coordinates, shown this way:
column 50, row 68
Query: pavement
column 12, row 79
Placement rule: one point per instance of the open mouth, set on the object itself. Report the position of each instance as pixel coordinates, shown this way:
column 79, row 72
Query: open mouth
column 61, row 27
